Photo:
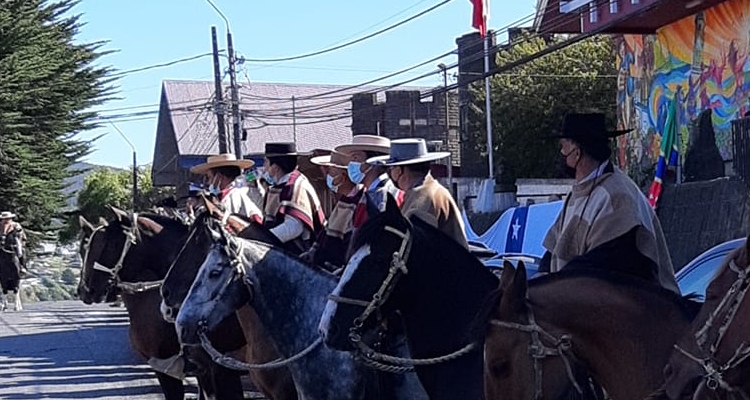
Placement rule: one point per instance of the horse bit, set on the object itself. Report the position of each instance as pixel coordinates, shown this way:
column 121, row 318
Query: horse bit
column 538, row 350
column 132, row 235
column 367, row 354
column 731, row 302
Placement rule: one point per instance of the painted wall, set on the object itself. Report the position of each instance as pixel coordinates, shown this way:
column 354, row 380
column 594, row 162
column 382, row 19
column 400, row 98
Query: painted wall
column 701, row 62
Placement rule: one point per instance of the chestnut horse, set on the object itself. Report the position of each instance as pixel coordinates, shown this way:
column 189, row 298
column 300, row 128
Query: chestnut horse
column 131, row 253
column 712, row 360
column 621, row 327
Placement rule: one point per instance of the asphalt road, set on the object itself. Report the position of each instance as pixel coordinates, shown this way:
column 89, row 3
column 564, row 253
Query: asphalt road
column 68, row 350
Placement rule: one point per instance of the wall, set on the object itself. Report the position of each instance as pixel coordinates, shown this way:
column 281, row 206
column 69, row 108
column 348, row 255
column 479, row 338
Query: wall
column 701, row 62
column 699, row 215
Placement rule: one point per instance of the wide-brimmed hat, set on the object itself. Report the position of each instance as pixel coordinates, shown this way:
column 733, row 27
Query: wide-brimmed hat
column 335, row 159
column 407, row 151
column 221, row 160
column 280, row 149
column 378, row 144
column 586, row 128
column 7, row 215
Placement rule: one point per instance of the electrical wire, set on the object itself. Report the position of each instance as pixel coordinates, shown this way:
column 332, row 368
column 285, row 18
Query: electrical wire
column 352, row 42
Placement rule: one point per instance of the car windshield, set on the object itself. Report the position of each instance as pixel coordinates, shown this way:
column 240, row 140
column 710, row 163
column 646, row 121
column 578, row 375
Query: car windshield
column 697, row 279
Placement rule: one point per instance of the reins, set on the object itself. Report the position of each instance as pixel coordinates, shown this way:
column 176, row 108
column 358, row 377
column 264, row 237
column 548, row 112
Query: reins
column 561, row 347
column 713, row 377
column 364, row 352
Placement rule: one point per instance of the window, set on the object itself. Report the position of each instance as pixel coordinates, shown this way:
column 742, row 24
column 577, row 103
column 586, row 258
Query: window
column 613, row 6
column 593, row 17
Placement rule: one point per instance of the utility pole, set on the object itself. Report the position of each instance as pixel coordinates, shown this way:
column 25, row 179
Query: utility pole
column 218, row 95
column 236, row 124
column 447, row 128
column 294, row 119
column 135, row 166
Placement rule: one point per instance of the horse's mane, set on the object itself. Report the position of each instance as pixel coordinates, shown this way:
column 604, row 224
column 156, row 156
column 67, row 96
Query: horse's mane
column 161, row 219
column 687, row 304
column 447, row 243
column 288, row 254
column 368, row 232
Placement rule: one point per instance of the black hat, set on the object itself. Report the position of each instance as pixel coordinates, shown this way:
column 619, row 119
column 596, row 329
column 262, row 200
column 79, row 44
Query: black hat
column 280, row 149
column 589, row 130
column 587, row 127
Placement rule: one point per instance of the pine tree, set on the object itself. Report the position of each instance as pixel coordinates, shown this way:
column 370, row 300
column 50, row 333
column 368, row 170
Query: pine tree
column 48, row 85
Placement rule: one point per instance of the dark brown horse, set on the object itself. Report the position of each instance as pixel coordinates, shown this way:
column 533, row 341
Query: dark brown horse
column 132, row 253
column 10, row 273
column 622, row 328
column 712, row 360
column 276, row 384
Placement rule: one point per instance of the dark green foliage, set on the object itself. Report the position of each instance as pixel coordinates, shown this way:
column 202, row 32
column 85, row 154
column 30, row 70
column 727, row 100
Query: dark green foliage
column 48, row 85
column 529, row 102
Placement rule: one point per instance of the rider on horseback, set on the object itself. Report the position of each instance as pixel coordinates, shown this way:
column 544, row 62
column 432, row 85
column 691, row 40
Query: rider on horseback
column 10, row 229
column 220, row 174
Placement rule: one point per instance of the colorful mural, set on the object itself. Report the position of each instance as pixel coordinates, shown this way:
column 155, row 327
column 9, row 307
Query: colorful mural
column 700, row 62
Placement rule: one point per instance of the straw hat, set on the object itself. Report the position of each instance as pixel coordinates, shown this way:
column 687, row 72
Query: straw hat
column 378, row 144
column 335, row 159
column 221, row 160
column 407, row 151
column 7, row 215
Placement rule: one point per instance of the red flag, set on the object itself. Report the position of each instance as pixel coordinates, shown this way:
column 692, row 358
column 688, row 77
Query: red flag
column 480, row 15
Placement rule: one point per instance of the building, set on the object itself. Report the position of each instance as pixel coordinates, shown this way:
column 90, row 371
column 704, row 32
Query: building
column 691, row 53
column 312, row 116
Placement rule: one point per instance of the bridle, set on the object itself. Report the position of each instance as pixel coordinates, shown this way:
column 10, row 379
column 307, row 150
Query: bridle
column 713, row 377
column 538, row 350
column 366, row 353
column 132, row 237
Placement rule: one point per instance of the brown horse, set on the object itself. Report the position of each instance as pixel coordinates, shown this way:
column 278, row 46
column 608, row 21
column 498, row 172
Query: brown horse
column 621, row 328
column 276, row 384
column 131, row 253
column 712, row 360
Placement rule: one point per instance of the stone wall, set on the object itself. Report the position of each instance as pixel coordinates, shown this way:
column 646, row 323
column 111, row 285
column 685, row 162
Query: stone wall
column 699, row 215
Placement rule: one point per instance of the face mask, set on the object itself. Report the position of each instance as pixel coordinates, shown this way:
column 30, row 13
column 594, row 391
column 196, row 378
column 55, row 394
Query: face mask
column 267, row 176
column 329, row 183
column 568, row 171
column 214, row 189
column 394, row 179
column 355, row 173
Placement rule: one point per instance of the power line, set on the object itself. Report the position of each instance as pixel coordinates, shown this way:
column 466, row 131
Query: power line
column 162, row 65
column 355, row 41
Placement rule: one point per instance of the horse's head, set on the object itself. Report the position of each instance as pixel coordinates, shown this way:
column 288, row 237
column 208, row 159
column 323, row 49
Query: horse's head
column 219, row 288
column 378, row 257
column 185, row 267
column 108, row 250
column 519, row 364
column 718, row 338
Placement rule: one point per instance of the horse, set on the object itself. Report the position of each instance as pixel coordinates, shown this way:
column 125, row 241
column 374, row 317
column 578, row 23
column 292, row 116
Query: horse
column 433, row 282
column 288, row 296
column 276, row 384
column 10, row 272
column 712, row 359
column 132, row 253
column 620, row 327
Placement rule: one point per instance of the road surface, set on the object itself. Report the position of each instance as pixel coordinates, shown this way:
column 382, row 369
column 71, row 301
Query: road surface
column 68, row 350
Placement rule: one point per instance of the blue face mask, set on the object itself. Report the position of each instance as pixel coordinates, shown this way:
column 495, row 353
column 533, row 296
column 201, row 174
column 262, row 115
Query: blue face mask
column 214, row 189
column 329, row 183
column 269, row 178
column 355, row 173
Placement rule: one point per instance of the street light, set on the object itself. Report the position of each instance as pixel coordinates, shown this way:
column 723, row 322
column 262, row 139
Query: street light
column 444, row 68
column 135, row 167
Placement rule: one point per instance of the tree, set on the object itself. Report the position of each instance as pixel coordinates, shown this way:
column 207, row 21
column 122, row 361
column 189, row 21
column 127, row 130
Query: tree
column 105, row 187
column 48, row 85
column 529, row 102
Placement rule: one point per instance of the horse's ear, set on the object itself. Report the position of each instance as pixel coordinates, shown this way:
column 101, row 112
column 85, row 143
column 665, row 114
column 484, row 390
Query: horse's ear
column 211, row 208
column 514, row 295
column 85, row 225
column 507, row 275
column 103, row 222
column 391, row 204
column 120, row 215
column 149, row 226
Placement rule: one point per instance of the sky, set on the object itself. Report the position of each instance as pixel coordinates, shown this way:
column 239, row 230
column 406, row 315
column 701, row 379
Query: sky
column 140, row 33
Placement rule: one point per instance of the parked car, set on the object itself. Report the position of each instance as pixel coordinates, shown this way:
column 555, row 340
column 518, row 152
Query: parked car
column 695, row 276
column 495, row 264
